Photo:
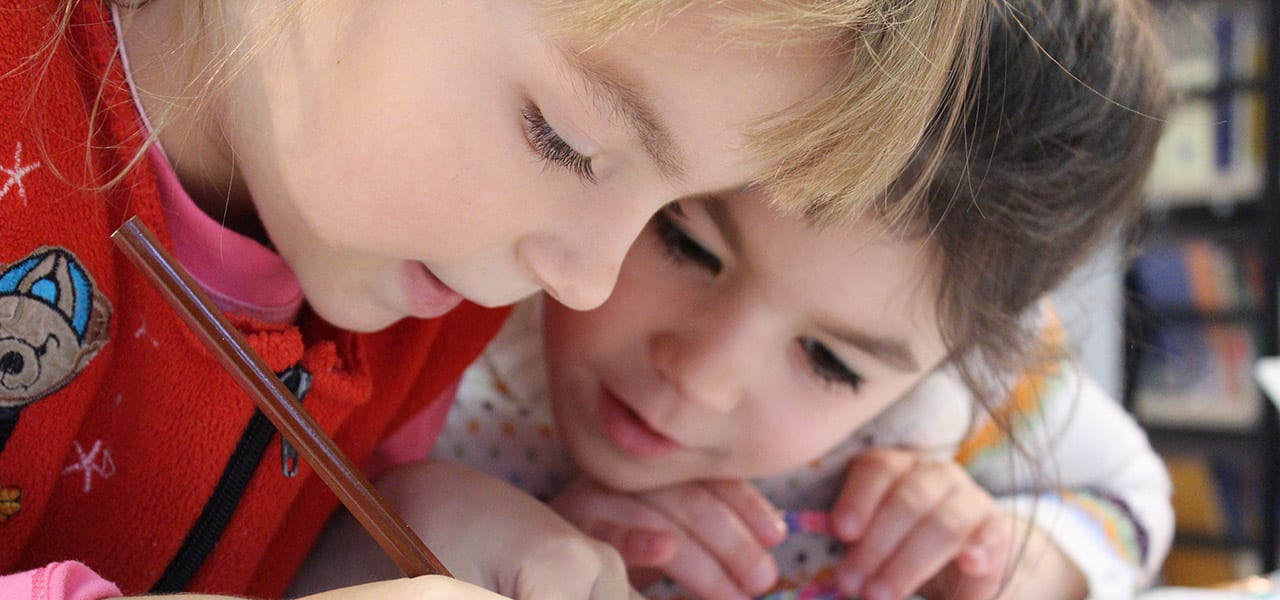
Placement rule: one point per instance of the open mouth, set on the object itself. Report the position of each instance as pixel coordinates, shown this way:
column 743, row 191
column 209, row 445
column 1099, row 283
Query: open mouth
column 630, row 432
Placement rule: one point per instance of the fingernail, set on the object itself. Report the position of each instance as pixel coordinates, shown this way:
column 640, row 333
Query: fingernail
column 762, row 576
column 776, row 529
column 974, row 559
column 848, row 526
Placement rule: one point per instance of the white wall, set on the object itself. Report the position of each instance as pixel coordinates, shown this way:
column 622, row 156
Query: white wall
column 1091, row 306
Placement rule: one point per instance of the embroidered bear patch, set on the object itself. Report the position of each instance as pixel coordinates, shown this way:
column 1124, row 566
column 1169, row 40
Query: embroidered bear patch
column 53, row 321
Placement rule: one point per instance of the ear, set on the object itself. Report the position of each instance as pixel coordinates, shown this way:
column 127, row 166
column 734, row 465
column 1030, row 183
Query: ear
column 8, row 310
column 97, row 331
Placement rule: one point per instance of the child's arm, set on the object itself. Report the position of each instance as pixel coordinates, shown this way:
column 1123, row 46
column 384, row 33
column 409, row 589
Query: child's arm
column 484, row 530
column 712, row 538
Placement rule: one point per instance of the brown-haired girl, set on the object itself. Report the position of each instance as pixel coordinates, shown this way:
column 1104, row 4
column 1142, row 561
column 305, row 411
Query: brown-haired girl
column 353, row 181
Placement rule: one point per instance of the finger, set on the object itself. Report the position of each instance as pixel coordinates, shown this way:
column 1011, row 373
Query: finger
column 718, row 529
column 755, row 510
column 643, row 577
column 933, row 543
column 989, row 557
column 612, row 580
column 587, row 571
column 640, row 533
column 870, row 476
column 702, row 574
column 903, row 507
column 639, row 546
column 990, row 547
column 974, row 587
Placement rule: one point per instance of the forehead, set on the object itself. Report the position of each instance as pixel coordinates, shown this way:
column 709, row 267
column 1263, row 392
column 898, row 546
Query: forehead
column 712, row 86
column 855, row 274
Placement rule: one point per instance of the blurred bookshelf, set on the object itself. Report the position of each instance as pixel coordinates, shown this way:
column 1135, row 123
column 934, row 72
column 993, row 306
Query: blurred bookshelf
column 1201, row 289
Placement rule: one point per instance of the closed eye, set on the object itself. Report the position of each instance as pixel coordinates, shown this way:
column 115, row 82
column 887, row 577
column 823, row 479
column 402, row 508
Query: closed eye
column 682, row 248
column 551, row 148
column 827, row 366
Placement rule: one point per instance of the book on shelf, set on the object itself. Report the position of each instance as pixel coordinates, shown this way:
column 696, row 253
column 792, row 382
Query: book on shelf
column 1198, row 375
column 1212, row 148
column 1199, row 274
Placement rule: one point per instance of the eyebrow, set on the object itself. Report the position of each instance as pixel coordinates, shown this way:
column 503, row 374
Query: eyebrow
column 623, row 97
column 892, row 352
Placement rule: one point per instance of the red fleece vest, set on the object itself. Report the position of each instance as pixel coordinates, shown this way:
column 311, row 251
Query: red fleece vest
column 116, row 423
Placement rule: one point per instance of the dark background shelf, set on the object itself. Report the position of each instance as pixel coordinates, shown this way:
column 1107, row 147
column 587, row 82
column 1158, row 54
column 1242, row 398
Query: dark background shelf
column 1250, row 219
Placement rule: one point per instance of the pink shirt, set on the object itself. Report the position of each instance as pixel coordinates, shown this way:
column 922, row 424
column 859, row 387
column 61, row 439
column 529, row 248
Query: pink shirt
column 57, row 581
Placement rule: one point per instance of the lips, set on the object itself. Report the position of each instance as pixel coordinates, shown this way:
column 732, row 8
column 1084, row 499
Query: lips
column 425, row 295
column 629, row 432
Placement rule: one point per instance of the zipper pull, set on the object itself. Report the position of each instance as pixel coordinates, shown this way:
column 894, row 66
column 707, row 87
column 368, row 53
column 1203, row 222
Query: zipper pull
column 298, row 380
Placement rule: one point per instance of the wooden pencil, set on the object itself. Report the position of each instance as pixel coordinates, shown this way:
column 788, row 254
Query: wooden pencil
column 275, row 401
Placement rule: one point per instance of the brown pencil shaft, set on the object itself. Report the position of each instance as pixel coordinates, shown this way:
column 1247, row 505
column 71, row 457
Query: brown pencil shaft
column 276, row 402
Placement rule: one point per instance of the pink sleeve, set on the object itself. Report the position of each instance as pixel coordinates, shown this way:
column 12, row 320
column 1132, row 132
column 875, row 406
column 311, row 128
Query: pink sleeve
column 57, row 581
column 413, row 440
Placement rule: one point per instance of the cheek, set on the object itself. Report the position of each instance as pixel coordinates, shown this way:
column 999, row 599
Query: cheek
column 794, row 434
column 799, row 422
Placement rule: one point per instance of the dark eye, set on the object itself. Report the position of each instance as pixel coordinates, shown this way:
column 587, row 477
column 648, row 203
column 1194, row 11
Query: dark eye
column 682, row 248
column 49, row 339
column 827, row 366
column 548, row 145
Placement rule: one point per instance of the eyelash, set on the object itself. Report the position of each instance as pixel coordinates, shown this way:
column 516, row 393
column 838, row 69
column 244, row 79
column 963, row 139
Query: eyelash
column 549, row 146
column 827, row 366
column 682, row 248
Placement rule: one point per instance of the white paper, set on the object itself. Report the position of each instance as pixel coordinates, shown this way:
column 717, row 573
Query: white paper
column 1267, row 371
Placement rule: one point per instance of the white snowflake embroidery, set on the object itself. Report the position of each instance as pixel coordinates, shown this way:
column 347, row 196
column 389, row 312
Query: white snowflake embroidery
column 16, row 174
column 142, row 331
column 97, row 461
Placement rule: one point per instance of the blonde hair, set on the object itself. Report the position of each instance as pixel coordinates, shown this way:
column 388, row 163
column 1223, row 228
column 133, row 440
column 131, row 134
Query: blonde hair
column 909, row 62
column 907, row 71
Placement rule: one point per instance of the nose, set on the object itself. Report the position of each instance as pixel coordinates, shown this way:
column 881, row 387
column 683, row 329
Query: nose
column 706, row 366
column 576, row 279
column 12, row 363
column 579, row 275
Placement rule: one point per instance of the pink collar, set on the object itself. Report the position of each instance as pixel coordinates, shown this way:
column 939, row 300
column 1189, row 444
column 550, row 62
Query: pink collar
column 241, row 275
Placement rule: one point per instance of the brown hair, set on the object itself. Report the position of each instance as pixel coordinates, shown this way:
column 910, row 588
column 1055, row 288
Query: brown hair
column 1060, row 131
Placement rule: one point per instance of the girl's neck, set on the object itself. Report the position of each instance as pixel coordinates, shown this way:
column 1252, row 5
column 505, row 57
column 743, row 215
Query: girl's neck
column 174, row 66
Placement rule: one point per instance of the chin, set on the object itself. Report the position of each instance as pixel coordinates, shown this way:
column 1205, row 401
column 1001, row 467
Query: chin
column 625, row 480
column 351, row 317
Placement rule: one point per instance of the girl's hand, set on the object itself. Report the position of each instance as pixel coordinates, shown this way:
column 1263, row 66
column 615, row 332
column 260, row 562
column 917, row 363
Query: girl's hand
column 710, row 537
column 1040, row 572
column 484, row 530
column 908, row 519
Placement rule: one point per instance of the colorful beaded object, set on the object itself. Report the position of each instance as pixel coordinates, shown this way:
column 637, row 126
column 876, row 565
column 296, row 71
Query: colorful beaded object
column 822, row 586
